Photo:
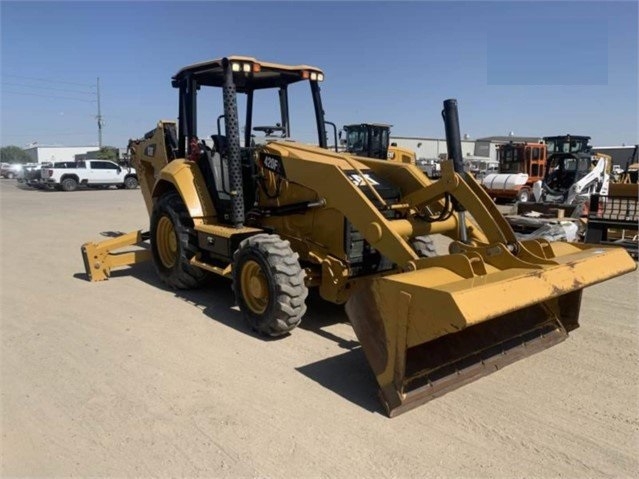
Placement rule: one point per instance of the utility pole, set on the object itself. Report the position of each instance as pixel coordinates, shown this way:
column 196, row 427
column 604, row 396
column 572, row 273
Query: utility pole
column 99, row 117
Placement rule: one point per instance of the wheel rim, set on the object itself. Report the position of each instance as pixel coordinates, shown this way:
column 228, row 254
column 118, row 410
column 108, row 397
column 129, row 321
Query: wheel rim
column 166, row 242
column 254, row 287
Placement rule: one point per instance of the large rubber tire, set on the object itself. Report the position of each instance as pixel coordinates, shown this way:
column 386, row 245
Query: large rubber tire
column 130, row 182
column 69, row 184
column 268, row 282
column 174, row 243
column 424, row 246
column 523, row 195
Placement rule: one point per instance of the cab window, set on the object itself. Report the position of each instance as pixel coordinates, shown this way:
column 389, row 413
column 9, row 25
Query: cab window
column 535, row 153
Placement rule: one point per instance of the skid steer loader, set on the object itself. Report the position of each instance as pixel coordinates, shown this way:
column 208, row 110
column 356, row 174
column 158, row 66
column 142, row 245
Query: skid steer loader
column 284, row 216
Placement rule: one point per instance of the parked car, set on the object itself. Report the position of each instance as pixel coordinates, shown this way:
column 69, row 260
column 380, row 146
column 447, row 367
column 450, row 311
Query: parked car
column 30, row 172
column 430, row 166
column 11, row 170
column 93, row 173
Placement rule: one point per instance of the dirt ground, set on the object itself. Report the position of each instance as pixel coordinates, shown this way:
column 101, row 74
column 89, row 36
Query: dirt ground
column 125, row 378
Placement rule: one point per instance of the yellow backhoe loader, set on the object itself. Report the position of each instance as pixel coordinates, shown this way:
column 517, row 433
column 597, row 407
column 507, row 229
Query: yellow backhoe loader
column 285, row 216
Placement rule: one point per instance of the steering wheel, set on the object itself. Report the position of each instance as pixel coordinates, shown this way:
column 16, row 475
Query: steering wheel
column 268, row 130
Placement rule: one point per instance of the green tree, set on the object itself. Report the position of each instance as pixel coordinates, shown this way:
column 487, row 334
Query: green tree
column 14, row 154
column 108, row 153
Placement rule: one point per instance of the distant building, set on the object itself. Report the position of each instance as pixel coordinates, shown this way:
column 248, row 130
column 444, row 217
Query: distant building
column 430, row 148
column 621, row 155
column 41, row 154
column 479, row 148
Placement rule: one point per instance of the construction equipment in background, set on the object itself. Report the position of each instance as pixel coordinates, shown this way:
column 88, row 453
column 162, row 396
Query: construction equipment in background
column 520, row 166
column 371, row 140
column 573, row 173
column 368, row 139
column 430, row 166
column 629, row 174
column 282, row 217
column 614, row 218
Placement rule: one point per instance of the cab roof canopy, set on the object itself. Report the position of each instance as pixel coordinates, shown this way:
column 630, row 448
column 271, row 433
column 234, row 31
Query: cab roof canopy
column 250, row 74
column 380, row 125
column 564, row 137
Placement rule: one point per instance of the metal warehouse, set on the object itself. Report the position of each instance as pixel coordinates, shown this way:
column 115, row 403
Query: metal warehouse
column 40, row 154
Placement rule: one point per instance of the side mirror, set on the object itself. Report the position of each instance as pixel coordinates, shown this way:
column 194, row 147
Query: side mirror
column 119, row 169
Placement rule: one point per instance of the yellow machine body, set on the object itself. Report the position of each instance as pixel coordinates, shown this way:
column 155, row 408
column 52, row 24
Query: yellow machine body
column 401, row 154
column 426, row 325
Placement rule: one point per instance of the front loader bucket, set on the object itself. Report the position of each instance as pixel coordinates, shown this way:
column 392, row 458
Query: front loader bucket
column 462, row 316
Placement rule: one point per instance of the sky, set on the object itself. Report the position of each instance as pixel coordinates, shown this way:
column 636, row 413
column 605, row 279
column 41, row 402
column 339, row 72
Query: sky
column 531, row 68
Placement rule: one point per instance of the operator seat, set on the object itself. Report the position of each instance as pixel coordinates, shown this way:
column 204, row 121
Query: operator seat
column 214, row 173
column 220, row 166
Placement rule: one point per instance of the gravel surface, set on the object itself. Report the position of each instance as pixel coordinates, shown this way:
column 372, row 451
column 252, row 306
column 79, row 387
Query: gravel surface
column 126, row 378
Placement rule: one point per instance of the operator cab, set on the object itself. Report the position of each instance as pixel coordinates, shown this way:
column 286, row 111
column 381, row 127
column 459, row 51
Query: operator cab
column 528, row 158
column 227, row 163
column 567, row 144
column 569, row 160
column 368, row 139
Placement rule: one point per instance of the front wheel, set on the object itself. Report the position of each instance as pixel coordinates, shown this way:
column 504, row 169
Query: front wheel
column 174, row 243
column 268, row 282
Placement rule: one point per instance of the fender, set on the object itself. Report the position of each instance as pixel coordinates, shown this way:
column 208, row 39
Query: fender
column 186, row 178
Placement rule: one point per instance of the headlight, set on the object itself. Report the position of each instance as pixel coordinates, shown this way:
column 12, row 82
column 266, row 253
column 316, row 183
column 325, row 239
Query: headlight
column 246, row 67
column 236, row 67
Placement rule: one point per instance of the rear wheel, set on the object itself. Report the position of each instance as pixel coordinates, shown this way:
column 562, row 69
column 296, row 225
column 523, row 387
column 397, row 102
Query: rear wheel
column 174, row 243
column 69, row 184
column 523, row 195
column 130, row 182
column 268, row 282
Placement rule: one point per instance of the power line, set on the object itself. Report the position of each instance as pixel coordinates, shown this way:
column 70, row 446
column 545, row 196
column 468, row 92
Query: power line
column 48, row 88
column 50, row 133
column 49, row 80
column 48, row 96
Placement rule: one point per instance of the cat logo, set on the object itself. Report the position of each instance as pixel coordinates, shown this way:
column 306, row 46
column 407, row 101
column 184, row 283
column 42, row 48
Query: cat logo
column 359, row 181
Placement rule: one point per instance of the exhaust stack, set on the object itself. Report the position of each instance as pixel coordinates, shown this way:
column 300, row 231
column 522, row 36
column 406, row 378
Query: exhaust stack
column 453, row 145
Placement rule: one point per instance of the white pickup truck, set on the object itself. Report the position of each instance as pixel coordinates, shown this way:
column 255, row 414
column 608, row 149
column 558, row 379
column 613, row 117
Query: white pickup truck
column 93, row 173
